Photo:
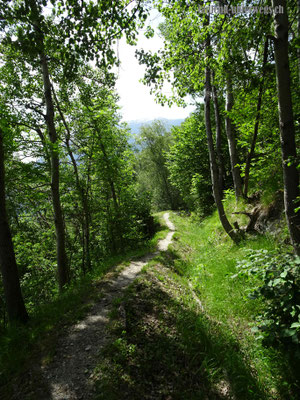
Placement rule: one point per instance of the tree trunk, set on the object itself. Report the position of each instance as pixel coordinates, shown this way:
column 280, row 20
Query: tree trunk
column 87, row 234
column 298, row 29
column 218, row 139
column 13, row 297
column 80, row 189
column 212, row 157
column 286, row 122
column 257, row 119
column 62, row 264
column 234, row 160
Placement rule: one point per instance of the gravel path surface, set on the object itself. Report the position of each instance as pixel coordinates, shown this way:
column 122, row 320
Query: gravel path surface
column 69, row 375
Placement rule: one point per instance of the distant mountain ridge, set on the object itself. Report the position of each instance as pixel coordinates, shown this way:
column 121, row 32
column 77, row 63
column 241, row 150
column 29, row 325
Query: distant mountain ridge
column 135, row 125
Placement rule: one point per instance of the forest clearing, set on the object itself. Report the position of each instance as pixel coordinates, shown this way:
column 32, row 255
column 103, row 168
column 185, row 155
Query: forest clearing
column 156, row 259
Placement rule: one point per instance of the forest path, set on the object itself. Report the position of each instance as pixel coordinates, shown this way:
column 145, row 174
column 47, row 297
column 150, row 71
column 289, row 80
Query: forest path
column 69, row 375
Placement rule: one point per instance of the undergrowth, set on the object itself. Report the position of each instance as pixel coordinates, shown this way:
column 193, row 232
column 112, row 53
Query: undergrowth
column 275, row 277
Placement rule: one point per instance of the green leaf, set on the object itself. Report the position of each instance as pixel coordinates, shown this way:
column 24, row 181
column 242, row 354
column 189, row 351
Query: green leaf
column 295, row 325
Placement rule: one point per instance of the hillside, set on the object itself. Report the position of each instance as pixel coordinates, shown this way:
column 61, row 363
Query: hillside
column 135, row 125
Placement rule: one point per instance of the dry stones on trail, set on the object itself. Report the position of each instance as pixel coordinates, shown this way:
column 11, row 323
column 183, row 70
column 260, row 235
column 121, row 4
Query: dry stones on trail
column 68, row 376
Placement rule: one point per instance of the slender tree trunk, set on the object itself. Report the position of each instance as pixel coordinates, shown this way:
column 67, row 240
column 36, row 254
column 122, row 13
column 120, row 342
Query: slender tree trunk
column 286, row 122
column 234, row 159
column 13, row 297
column 212, row 156
column 257, row 120
column 298, row 29
column 218, row 139
column 213, row 162
column 62, row 263
column 81, row 192
column 87, row 235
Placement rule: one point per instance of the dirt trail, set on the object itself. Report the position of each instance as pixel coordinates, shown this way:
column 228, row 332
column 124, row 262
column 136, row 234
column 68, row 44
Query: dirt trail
column 68, row 376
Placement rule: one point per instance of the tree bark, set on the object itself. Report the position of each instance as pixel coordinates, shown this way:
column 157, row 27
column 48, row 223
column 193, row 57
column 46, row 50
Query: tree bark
column 234, row 159
column 13, row 296
column 218, row 139
column 298, row 29
column 257, row 120
column 286, row 122
column 62, row 263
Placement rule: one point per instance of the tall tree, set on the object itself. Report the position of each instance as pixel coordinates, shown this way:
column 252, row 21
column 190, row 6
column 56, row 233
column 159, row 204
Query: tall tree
column 57, row 44
column 13, row 296
column 257, row 120
column 230, row 131
column 286, row 122
column 212, row 156
column 183, row 58
column 39, row 26
column 218, row 137
column 188, row 163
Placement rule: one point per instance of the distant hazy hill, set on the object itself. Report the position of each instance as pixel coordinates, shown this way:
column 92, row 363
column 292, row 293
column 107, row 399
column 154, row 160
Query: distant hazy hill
column 135, row 125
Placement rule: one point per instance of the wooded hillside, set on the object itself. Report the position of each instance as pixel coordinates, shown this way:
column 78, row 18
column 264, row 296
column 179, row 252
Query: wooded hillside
column 77, row 190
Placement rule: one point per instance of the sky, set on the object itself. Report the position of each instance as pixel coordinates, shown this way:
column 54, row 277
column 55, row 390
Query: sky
column 135, row 99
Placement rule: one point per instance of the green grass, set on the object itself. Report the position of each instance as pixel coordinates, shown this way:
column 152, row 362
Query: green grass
column 23, row 346
column 204, row 255
column 169, row 348
column 208, row 258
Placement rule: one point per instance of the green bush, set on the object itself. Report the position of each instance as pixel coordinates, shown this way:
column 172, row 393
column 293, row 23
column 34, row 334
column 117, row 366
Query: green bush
column 276, row 278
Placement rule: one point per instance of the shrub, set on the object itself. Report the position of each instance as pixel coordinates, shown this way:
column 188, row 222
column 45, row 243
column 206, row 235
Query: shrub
column 276, row 278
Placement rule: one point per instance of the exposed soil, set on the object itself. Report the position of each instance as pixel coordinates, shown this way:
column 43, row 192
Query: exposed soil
column 69, row 375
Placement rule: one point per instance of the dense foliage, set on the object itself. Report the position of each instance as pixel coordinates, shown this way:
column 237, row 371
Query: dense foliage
column 233, row 60
column 188, row 164
column 98, row 192
column 275, row 277
column 152, row 146
column 69, row 191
